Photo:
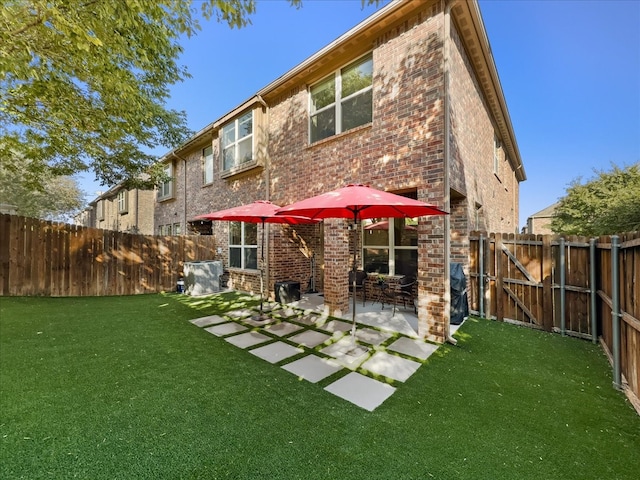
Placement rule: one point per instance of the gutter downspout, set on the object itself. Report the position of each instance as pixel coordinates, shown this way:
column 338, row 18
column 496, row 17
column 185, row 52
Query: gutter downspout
column 267, row 193
column 137, row 211
column 447, row 186
column 184, row 213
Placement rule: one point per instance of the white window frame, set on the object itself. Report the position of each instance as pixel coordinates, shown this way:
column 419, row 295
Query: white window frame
column 244, row 247
column 391, row 246
column 100, row 210
column 165, row 189
column 207, row 165
column 177, row 229
column 337, row 104
column 123, row 201
column 231, row 142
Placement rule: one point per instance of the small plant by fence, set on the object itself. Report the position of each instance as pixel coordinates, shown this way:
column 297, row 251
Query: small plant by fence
column 586, row 287
column 38, row 257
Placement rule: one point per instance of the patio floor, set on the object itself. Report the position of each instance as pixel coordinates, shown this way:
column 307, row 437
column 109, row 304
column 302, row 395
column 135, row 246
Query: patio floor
column 300, row 338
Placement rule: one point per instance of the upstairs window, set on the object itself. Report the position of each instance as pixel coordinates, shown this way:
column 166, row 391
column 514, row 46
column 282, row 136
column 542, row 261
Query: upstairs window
column 165, row 189
column 243, row 245
column 123, row 201
column 237, row 142
column 100, row 210
column 342, row 101
column 496, row 156
column 207, row 165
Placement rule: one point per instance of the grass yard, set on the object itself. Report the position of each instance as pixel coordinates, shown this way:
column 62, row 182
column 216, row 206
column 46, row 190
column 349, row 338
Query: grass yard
column 127, row 388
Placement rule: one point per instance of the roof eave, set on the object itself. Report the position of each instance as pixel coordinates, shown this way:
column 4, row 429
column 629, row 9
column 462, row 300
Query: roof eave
column 468, row 12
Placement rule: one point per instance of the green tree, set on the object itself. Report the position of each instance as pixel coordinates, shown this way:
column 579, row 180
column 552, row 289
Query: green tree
column 83, row 83
column 606, row 205
column 59, row 199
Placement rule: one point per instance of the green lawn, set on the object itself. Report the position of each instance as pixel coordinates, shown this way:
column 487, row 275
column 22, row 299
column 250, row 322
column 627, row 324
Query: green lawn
column 127, row 388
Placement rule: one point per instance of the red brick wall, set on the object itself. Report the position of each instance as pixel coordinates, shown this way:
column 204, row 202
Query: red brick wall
column 472, row 165
column 204, row 198
column 288, row 258
column 401, row 150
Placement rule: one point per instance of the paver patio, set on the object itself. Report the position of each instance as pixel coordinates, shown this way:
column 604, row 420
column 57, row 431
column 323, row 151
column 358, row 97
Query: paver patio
column 302, row 340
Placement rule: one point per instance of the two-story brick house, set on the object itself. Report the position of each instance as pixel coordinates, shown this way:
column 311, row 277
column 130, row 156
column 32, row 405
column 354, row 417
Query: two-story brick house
column 408, row 101
column 122, row 210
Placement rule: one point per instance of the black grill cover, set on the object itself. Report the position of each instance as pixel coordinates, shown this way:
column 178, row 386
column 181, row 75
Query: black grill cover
column 459, row 301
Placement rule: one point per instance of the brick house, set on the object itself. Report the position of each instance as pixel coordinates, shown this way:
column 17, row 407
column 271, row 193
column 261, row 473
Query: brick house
column 122, row 210
column 540, row 222
column 373, row 107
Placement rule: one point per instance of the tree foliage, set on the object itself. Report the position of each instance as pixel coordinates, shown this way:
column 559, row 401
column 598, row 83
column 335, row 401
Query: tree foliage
column 83, row 83
column 58, row 200
column 606, row 205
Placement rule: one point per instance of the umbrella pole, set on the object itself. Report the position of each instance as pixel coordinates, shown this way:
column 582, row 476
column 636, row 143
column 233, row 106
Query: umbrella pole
column 261, row 288
column 262, row 270
column 353, row 285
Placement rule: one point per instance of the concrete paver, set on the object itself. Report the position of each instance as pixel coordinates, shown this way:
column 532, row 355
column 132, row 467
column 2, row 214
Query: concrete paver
column 346, row 353
column 274, row 352
column 226, row 329
column 248, row 339
column 283, row 331
column 312, row 368
column 210, row 320
column 391, row 366
column 413, row 348
column 309, row 338
column 362, row 391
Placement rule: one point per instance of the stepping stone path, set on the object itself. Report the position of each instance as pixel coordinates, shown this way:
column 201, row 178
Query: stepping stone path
column 364, row 371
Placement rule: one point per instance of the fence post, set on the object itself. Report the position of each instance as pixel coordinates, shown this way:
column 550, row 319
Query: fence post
column 499, row 279
column 481, row 276
column 615, row 312
column 562, row 287
column 548, row 311
column 592, row 290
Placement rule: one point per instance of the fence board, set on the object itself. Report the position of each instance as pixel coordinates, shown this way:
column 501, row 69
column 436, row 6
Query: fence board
column 524, row 288
column 44, row 258
column 5, row 258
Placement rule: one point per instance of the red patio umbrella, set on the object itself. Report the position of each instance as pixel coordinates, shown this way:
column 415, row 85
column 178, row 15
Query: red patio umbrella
column 260, row 211
column 358, row 202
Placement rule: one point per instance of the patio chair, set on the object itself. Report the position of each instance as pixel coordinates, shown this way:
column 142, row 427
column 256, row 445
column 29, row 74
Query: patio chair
column 402, row 290
column 361, row 277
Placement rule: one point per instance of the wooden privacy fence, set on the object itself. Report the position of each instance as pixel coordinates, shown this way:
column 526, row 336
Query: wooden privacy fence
column 38, row 257
column 586, row 287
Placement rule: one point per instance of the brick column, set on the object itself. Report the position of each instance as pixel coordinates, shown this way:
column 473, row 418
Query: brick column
column 336, row 265
column 432, row 284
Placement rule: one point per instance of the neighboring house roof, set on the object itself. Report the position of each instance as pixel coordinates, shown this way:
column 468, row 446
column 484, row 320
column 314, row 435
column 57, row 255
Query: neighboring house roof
column 358, row 40
column 540, row 222
column 546, row 212
column 108, row 194
column 113, row 191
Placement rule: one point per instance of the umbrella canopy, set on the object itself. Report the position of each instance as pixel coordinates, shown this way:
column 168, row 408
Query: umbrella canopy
column 358, row 202
column 260, row 211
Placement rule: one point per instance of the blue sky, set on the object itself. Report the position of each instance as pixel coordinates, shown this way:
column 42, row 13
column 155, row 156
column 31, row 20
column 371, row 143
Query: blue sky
column 570, row 72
